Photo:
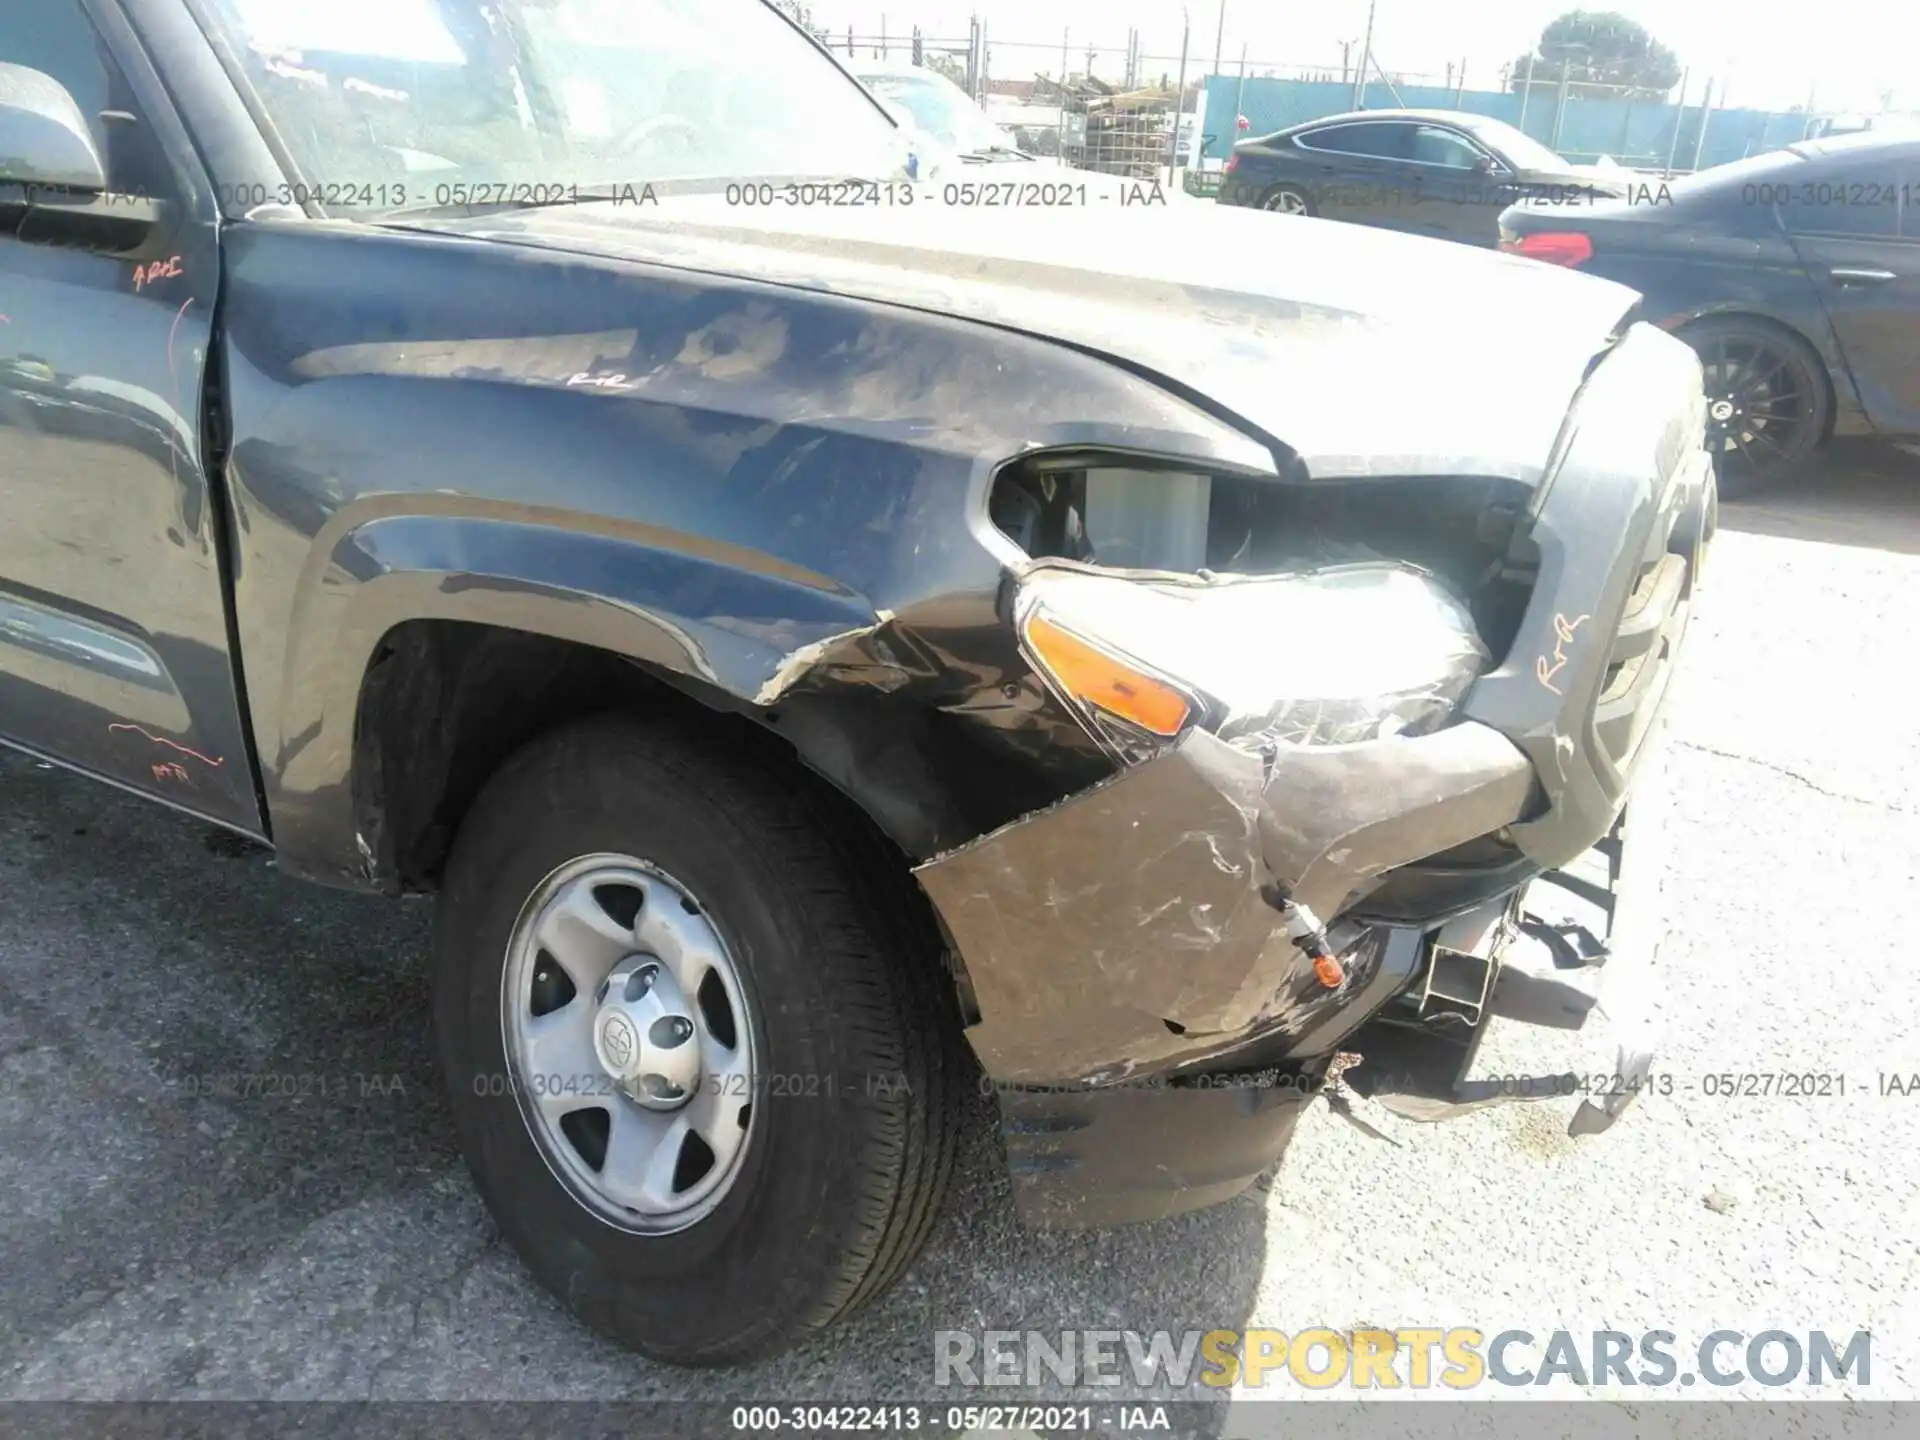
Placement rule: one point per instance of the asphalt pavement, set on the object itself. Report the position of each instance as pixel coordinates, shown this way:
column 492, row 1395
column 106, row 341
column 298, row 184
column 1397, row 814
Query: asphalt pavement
column 318, row 1238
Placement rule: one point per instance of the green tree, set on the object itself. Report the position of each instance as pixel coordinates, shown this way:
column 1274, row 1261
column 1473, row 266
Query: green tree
column 1602, row 53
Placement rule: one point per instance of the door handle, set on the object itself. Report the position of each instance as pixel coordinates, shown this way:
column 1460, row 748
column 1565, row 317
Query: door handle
column 1846, row 275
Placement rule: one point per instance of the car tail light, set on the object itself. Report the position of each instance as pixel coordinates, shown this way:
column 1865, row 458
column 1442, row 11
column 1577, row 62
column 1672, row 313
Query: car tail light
column 1556, row 247
column 1233, row 163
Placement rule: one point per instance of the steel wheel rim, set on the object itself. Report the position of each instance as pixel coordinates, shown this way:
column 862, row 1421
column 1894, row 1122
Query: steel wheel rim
column 1760, row 404
column 629, row 1043
column 1287, row 202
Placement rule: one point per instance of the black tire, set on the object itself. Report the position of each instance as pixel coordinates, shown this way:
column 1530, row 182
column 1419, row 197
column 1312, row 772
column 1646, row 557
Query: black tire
column 842, row 964
column 1776, row 387
column 1288, row 200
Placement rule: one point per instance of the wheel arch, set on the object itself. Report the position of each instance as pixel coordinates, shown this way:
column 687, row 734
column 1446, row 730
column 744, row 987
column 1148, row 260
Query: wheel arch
column 427, row 647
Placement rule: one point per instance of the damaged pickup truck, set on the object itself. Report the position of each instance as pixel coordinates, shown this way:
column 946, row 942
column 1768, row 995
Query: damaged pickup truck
column 832, row 647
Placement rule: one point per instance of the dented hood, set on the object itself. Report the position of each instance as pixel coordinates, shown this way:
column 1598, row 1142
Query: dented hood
column 1363, row 351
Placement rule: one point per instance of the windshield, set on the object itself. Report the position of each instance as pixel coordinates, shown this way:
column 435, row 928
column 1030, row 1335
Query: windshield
column 386, row 104
column 942, row 109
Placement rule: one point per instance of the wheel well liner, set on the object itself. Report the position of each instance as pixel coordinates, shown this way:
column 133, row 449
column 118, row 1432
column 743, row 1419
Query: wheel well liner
column 445, row 702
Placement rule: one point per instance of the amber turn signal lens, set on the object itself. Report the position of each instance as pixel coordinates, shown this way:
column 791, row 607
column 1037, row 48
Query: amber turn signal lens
column 1091, row 674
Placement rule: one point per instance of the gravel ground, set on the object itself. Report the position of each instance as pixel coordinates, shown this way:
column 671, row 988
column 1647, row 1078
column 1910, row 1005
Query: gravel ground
column 329, row 1245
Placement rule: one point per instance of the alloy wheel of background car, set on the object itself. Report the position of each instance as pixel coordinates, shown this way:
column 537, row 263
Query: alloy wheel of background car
column 1767, row 401
column 629, row 1043
column 1287, row 200
column 698, row 1040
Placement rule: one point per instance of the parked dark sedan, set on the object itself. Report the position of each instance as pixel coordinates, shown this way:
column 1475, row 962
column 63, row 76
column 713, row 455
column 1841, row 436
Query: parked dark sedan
column 1443, row 173
column 1796, row 277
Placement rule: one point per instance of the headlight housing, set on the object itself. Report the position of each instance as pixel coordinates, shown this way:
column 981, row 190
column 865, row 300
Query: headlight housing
column 1337, row 656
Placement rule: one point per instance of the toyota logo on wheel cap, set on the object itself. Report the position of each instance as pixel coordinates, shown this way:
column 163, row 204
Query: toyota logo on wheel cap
column 618, row 1038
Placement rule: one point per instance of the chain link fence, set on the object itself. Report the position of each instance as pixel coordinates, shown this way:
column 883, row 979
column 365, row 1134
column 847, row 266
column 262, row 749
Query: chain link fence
column 1019, row 83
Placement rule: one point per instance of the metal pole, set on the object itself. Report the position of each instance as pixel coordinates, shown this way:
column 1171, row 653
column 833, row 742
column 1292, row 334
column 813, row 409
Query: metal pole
column 1679, row 119
column 1700, row 135
column 1179, row 95
column 1219, row 34
column 1239, row 97
column 1526, row 94
column 884, row 53
column 1366, row 54
column 1560, row 103
column 1060, row 126
column 1460, row 95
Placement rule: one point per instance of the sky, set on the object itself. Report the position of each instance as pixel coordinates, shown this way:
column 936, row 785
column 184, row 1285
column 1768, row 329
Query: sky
column 1763, row 53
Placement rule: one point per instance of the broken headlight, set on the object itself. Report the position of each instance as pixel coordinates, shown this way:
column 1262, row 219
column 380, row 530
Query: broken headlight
column 1330, row 657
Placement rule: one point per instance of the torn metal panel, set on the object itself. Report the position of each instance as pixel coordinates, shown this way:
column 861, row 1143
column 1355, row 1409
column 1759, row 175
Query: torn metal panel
column 1086, row 927
column 796, row 666
column 1125, row 930
column 1337, row 817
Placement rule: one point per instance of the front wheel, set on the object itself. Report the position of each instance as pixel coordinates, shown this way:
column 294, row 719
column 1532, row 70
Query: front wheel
column 1767, row 401
column 1287, row 200
column 699, row 1049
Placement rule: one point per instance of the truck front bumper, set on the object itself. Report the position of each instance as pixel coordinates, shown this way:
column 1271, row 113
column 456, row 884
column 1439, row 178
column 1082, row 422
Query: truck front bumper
column 1199, row 1121
column 1127, row 977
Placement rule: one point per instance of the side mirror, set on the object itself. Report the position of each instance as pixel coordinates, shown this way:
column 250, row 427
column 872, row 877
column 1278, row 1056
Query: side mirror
column 44, row 140
column 1483, row 165
column 53, row 184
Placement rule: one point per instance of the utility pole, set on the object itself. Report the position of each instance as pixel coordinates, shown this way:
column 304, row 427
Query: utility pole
column 1679, row 118
column 1366, row 57
column 1060, row 125
column 1700, row 135
column 1239, row 97
column 1560, row 100
column 1180, row 94
column 1219, row 34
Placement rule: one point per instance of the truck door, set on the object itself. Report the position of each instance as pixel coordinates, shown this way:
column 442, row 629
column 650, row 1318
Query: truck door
column 115, row 650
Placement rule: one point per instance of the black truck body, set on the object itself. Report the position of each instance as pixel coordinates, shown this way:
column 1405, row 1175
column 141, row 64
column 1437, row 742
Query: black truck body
column 317, row 518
